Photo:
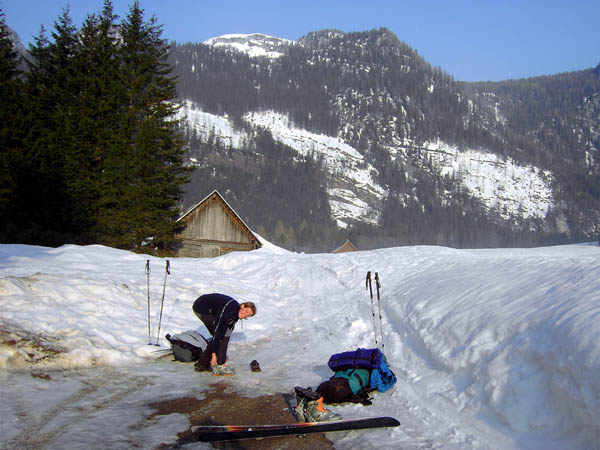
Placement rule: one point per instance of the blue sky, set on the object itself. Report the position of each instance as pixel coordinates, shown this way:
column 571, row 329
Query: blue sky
column 472, row 40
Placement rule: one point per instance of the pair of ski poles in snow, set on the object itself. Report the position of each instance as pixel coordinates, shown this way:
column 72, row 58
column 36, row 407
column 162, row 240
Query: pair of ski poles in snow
column 162, row 302
column 369, row 287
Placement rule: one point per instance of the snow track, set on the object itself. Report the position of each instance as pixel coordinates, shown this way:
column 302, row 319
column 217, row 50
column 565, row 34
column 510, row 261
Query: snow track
column 86, row 402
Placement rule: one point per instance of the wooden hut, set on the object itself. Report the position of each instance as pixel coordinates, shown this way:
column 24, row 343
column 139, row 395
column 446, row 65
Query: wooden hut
column 345, row 247
column 212, row 228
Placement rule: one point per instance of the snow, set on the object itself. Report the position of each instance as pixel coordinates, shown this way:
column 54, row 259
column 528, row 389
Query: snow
column 254, row 45
column 207, row 125
column 493, row 349
column 513, row 189
column 346, row 205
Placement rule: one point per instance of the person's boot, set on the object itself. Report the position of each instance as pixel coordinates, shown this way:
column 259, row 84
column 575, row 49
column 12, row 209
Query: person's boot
column 203, row 363
column 222, row 370
column 199, row 366
column 303, row 395
column 315, row 412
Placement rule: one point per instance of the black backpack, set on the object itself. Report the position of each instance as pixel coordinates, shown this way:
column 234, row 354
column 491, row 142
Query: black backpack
column 187, row 346
column 338, row 390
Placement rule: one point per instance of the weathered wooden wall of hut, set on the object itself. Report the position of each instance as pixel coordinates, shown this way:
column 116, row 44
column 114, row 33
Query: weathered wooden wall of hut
column 212, row 229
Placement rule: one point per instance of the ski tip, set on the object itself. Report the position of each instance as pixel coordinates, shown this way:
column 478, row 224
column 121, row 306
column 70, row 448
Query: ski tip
column 383, row 421
column 393, row 422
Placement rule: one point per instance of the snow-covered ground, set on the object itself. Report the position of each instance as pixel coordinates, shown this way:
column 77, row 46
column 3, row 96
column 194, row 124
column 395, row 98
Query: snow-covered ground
column 493, row 349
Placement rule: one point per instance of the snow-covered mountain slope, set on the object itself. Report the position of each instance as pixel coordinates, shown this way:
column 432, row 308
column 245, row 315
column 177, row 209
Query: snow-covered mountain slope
column 510, row 189
column 353, row 190
column 254, row 45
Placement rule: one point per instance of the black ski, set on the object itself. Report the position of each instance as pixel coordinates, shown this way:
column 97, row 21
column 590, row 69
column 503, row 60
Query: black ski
column 214, row 433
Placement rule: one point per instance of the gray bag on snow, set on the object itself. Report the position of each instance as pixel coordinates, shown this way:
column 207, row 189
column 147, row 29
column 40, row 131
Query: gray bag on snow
column 187, row 346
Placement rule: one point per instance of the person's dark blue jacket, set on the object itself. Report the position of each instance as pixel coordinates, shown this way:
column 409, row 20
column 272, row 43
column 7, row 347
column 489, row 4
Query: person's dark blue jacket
column 225, row 310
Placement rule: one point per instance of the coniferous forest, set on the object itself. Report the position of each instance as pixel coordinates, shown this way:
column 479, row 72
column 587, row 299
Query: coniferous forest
column 90, row 149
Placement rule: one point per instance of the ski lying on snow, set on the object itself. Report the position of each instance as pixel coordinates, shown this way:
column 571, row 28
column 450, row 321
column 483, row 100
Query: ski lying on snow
column 214, row 433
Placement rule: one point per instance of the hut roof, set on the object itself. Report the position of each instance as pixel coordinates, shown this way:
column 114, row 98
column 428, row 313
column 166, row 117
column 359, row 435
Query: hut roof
column 345, row 247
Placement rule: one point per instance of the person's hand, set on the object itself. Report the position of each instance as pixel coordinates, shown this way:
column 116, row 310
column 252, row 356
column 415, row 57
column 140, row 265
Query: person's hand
column 213, row 359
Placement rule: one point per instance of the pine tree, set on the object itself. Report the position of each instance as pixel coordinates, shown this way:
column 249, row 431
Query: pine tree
column 144, row 171
column 10, row 128
column 44, row 208
column 99, row 112
column 39, row 188
column 9, row 95
column 67, row 146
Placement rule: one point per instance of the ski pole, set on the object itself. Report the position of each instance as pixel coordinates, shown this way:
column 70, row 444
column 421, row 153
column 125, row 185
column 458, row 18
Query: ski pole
column 369, row 286
column 378, row 285
column 162, row 302
column 148, row 284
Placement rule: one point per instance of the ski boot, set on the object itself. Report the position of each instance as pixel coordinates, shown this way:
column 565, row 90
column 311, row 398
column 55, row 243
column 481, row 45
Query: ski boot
column 303, row 395
column 315, row 412
column 310, row 408
column 222, row 370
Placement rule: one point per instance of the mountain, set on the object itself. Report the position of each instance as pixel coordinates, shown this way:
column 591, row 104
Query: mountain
column 19, row 48
column 17, row 41
column 403, row 153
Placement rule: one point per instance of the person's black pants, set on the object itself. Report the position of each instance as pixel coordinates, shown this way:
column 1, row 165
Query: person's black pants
column 209, row 322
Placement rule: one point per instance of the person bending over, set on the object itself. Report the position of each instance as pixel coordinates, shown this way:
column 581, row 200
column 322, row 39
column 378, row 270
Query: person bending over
column 219, row 313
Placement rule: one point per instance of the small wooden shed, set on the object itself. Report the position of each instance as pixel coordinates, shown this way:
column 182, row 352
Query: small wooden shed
column 345, row 247
column 212, row 228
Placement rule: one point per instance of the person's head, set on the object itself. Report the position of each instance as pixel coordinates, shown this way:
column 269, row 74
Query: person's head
column 247, row 309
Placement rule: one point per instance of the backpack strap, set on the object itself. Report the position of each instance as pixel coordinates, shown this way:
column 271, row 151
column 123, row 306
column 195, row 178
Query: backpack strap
column 360, row 380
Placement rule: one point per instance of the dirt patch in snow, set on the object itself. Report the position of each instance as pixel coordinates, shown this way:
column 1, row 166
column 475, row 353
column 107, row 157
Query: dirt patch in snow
column 221, row 406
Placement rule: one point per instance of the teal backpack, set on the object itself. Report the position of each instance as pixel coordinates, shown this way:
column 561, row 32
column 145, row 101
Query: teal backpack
column 358, row 379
